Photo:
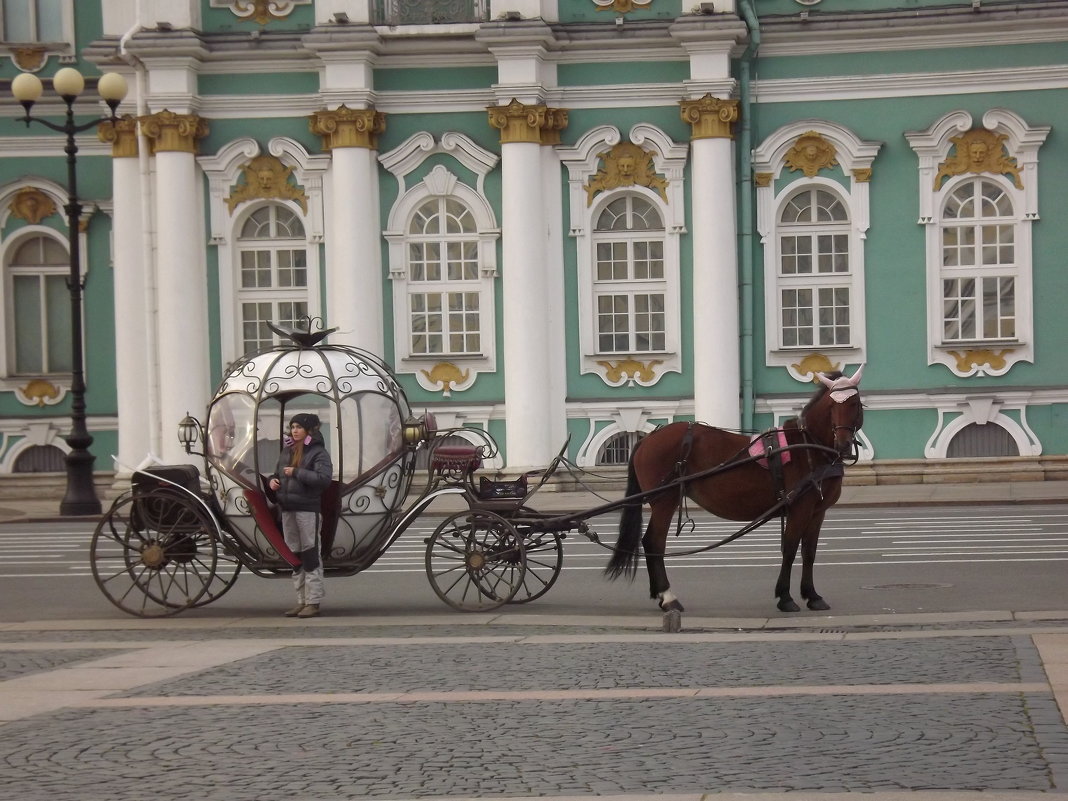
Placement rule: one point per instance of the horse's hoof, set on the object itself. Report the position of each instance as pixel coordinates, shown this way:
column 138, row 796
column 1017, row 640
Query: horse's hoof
column 673, row 621
column 672, row 606
column 818, row 605
column 788, row 605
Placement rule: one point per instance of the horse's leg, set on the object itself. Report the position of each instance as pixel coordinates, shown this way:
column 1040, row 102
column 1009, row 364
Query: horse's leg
column 791, row 538
column 654, row 543
column 809, row 540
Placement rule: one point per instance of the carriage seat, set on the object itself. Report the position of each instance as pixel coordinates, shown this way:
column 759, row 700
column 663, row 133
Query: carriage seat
column 456, row 459
column 161, row 476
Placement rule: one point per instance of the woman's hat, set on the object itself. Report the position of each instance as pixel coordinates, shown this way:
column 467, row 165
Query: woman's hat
column 306, row 420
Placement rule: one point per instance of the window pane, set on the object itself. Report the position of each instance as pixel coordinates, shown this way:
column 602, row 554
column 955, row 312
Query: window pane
column 29, row 326
column 58, row 331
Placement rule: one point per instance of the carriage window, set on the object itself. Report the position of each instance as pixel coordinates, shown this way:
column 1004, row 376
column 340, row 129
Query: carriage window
column 814, row 269
column 979, row 272
column 444, row 293
column 38, row 325
column 629, row 286
column 272, row 274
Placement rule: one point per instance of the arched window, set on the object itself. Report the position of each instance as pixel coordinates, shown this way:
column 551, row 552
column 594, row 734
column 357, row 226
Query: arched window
column 978, row 441
column 40, row 459
column 616, row 451
column 814, row 271
column 444, row 293
column 38, row 314
column 629, row 283
column 979, row 270
column 272, row 279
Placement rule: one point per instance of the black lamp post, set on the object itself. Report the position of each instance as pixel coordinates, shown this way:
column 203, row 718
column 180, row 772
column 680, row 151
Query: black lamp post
column 68, row 83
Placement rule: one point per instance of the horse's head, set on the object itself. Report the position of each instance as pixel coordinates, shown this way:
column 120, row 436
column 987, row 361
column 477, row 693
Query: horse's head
column 846, row 411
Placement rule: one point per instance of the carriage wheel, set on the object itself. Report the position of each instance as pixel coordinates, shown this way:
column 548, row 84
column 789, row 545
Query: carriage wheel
column 475, row 561
column 225, row 576
column 156, row 554
column 545, row 558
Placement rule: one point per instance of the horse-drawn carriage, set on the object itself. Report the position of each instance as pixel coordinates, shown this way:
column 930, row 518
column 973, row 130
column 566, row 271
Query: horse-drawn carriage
column 179, row 539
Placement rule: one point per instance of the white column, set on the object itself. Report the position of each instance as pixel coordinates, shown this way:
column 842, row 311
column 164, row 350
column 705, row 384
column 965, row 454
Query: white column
column 182, row 280
column 555, row 319
column 131, row 337
column 526, row 301
column 354, row 253
column 354, row 299
column 716, row 332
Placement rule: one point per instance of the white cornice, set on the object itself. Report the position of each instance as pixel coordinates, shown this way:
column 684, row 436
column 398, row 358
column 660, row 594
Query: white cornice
column 884, row 40
column 48, row 146
column 912, row 84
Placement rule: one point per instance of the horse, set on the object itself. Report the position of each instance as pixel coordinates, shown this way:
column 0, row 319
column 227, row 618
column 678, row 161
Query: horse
column 799, row 476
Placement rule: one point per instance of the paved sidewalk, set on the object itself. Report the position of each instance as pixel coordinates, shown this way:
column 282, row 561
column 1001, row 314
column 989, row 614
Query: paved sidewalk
column 933, row 707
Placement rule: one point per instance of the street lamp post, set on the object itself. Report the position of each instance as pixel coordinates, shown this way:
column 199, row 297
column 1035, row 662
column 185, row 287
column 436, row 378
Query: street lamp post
column 80, row 498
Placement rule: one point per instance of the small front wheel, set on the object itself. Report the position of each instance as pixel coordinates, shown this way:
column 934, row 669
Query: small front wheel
column 475, row 561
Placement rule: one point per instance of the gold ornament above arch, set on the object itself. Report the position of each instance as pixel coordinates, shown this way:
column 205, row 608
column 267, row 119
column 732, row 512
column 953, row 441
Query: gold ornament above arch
column 979, row 150
column 32, row 205
column 622, row 6
column 626, row 164
column 266, row 178
column 811, row 153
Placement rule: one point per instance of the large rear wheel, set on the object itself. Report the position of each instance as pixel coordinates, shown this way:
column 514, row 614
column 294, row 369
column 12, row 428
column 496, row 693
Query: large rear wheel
column 156, row 553
column 475, row 561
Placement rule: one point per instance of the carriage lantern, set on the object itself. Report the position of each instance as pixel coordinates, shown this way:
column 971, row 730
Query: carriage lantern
column 190, row 433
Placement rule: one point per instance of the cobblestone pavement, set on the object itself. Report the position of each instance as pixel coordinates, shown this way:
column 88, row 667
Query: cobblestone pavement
column 412, row 710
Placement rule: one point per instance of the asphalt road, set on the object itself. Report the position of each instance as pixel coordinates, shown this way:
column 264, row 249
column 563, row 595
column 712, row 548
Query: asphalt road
column 871, row 561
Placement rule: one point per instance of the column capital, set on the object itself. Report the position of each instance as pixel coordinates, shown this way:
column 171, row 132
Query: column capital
column 121, row 135
column 517, row 122
column 710, row 117
column 348, row 127
column 173, row 133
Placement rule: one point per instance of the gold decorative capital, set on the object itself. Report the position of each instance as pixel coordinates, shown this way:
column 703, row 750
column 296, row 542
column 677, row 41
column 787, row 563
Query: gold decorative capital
column 710, row 117
column 32, row 205
column 173, row 133
column 979, row 150
column 348, row 127
column 446, row 375
column 811, row 153
column 762, row 178
column 268, row 178
column 631, row 369
column 121, row 134
column 517, row 122
column 862, row 175
column 626, row 164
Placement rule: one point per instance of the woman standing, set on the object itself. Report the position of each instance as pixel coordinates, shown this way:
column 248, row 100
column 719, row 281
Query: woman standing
column 304, row 472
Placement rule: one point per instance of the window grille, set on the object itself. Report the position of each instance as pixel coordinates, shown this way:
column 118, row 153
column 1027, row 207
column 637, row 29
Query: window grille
column 430, row 12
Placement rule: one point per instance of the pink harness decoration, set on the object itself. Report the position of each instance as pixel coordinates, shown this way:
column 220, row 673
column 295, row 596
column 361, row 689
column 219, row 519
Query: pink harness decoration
column 758, row 446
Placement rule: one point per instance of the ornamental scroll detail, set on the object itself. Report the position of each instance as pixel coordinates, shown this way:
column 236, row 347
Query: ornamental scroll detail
column 979, row 150
column 259, row 11
column 621, row 6
column 626, row 164
column 266, row 177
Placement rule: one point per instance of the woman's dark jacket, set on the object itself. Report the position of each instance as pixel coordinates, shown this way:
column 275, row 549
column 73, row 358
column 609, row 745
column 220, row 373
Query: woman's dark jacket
column 302, row 491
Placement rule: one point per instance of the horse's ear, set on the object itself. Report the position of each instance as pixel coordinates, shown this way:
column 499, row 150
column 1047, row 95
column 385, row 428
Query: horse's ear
column 825, row 380
column 855, row 380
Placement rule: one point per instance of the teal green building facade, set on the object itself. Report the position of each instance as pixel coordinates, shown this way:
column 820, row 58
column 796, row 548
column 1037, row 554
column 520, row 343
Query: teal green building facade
column 554, row 218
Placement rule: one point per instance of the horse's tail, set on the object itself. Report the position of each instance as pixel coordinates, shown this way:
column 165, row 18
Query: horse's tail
column 624, row 559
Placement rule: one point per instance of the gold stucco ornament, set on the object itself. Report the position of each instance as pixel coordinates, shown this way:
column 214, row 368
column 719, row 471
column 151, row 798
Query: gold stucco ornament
column 626, row 164
column 979, row 150
column 266, row 178
column 811, row 153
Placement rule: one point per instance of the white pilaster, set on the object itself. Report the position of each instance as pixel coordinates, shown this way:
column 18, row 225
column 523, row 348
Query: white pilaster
column 528, row 410
column 354, row 256
column 131, row 336
column 184, row 380
column 716, row 357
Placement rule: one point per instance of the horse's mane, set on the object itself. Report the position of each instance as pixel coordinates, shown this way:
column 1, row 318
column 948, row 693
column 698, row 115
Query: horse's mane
column 821, row 390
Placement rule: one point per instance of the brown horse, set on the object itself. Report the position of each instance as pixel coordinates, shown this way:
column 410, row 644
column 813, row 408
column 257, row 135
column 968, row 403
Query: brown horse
column 800, row 475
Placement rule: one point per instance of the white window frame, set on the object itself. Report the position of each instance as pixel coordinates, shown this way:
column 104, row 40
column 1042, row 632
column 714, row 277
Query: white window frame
column 933, row 146
column 9, row 382
column 446, row 372
column 583, row 162
column 273, row 294
column 854, row 157
column 223, row 170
